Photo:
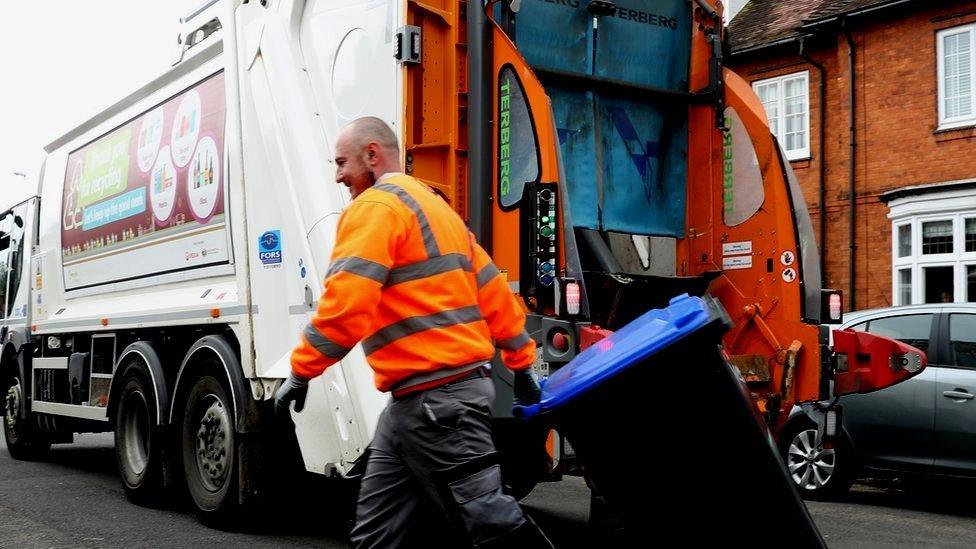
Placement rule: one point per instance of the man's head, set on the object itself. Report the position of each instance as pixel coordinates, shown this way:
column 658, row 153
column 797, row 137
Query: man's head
column 366, row 150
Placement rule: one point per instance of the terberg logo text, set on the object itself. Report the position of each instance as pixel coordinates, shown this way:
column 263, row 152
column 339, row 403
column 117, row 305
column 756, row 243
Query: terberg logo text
column 505, row 137
column 636, row 16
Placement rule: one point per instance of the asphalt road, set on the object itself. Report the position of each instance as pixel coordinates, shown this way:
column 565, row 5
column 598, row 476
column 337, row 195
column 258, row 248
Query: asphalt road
column 886, row 514
column 74, row 499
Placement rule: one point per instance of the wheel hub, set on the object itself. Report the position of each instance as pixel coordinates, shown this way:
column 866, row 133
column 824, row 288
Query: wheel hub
column 213, row 445
column 11, row 407
column 810, row 465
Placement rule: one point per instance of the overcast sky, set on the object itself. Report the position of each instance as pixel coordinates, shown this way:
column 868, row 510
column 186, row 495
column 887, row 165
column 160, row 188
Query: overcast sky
column 65, row 60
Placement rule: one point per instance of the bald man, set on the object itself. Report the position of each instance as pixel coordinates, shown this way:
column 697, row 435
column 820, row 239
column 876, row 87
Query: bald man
column 408, row 280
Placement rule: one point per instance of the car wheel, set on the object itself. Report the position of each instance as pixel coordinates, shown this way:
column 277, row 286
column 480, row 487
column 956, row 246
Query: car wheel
column 817, row 472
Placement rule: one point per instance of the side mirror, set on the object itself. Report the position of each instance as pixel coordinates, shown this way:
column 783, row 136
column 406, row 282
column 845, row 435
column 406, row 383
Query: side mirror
column 865, row 362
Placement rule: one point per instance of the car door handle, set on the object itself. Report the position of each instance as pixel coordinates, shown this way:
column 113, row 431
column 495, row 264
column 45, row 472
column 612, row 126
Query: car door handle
column 958, row 393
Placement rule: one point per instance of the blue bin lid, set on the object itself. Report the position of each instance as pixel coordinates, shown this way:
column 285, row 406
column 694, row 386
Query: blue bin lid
column 645, row 336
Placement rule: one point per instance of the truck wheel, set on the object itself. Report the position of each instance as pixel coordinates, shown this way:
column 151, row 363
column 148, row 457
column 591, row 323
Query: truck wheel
column 138, row 442
column 22, row 442
column 209, row 450
column 817, row 472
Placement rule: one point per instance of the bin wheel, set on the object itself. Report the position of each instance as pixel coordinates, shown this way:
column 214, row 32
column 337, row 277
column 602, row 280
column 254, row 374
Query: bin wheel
column 23, row 442
column 817, row 472
column 209, row 451
column 138, row 441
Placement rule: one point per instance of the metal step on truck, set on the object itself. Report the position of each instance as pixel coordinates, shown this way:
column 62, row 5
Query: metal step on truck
column 599, row 150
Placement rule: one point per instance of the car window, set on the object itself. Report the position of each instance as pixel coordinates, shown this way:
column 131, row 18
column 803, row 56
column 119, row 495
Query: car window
column 911, row 329
column 962, row 340
column 859, row 327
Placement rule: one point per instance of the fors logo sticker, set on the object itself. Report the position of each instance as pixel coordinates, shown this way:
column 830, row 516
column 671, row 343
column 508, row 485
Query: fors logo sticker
column 269, row 247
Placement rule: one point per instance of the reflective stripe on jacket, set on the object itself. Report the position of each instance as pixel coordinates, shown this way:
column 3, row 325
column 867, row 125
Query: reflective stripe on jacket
column 409, row 280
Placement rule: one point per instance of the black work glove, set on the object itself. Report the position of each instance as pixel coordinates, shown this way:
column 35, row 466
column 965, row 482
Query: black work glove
column 294, row 389
column 527, row 390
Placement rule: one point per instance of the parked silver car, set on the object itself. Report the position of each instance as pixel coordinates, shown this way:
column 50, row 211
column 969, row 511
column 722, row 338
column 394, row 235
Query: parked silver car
column 924, row 425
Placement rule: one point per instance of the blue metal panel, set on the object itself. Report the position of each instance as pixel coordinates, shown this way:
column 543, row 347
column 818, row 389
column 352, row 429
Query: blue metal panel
column 646, row 43
column 573, row 112
column 555, row 35
column 644, row 166
column 625, row 161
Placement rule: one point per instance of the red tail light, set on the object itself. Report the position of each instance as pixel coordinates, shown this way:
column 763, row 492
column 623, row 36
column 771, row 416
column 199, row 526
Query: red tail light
column 572, row 298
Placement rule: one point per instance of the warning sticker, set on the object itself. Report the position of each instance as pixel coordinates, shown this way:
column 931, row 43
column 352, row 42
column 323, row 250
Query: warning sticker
column 737, row 248
column 789, row 274
column 787, row 258
column 737, row 262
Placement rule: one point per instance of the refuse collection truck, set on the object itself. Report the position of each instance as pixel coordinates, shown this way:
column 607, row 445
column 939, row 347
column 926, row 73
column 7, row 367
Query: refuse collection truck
column 179, row 239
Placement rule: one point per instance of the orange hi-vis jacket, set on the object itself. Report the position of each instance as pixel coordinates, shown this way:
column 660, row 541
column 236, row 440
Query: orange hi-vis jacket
column 409, row 280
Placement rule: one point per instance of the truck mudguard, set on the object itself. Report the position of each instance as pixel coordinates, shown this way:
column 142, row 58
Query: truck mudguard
column 246, row 414
column 150, row 362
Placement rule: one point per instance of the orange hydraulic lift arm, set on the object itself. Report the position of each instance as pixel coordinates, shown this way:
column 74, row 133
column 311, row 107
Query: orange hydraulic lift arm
column 756, row 250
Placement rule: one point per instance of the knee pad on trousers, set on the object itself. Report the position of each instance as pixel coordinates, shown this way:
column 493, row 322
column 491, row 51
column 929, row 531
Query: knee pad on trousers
column 472, row 494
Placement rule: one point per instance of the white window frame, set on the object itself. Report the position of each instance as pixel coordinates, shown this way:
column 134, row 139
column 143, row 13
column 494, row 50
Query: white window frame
column 896, row 284
column 945, row 122
column 917, row 240
column 965, row 287
column 795, row 154
column 915, row 211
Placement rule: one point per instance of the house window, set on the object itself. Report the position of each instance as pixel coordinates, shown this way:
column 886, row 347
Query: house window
column 937, row 237
column 971, row 283
column 933, row 248
column 905, row 285
column 787, row 106
column 905, row 240
column 938, row 284
column 971, row 234
column 956, row 73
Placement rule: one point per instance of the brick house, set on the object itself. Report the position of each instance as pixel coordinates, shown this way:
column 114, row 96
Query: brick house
column 891, row 182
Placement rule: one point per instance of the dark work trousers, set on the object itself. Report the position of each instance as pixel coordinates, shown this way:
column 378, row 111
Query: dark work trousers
column 418, row 438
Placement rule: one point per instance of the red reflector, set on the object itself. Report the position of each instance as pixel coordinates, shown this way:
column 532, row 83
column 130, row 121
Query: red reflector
column 590, row 335
column 560, row 342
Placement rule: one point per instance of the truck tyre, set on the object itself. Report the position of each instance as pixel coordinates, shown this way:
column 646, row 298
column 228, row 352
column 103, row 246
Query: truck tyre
column 138, row 440
column 817, row 473
column 209, row 450
column 23, row 442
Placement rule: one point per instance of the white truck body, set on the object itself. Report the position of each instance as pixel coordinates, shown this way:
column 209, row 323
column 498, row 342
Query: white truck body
column 236, row 220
